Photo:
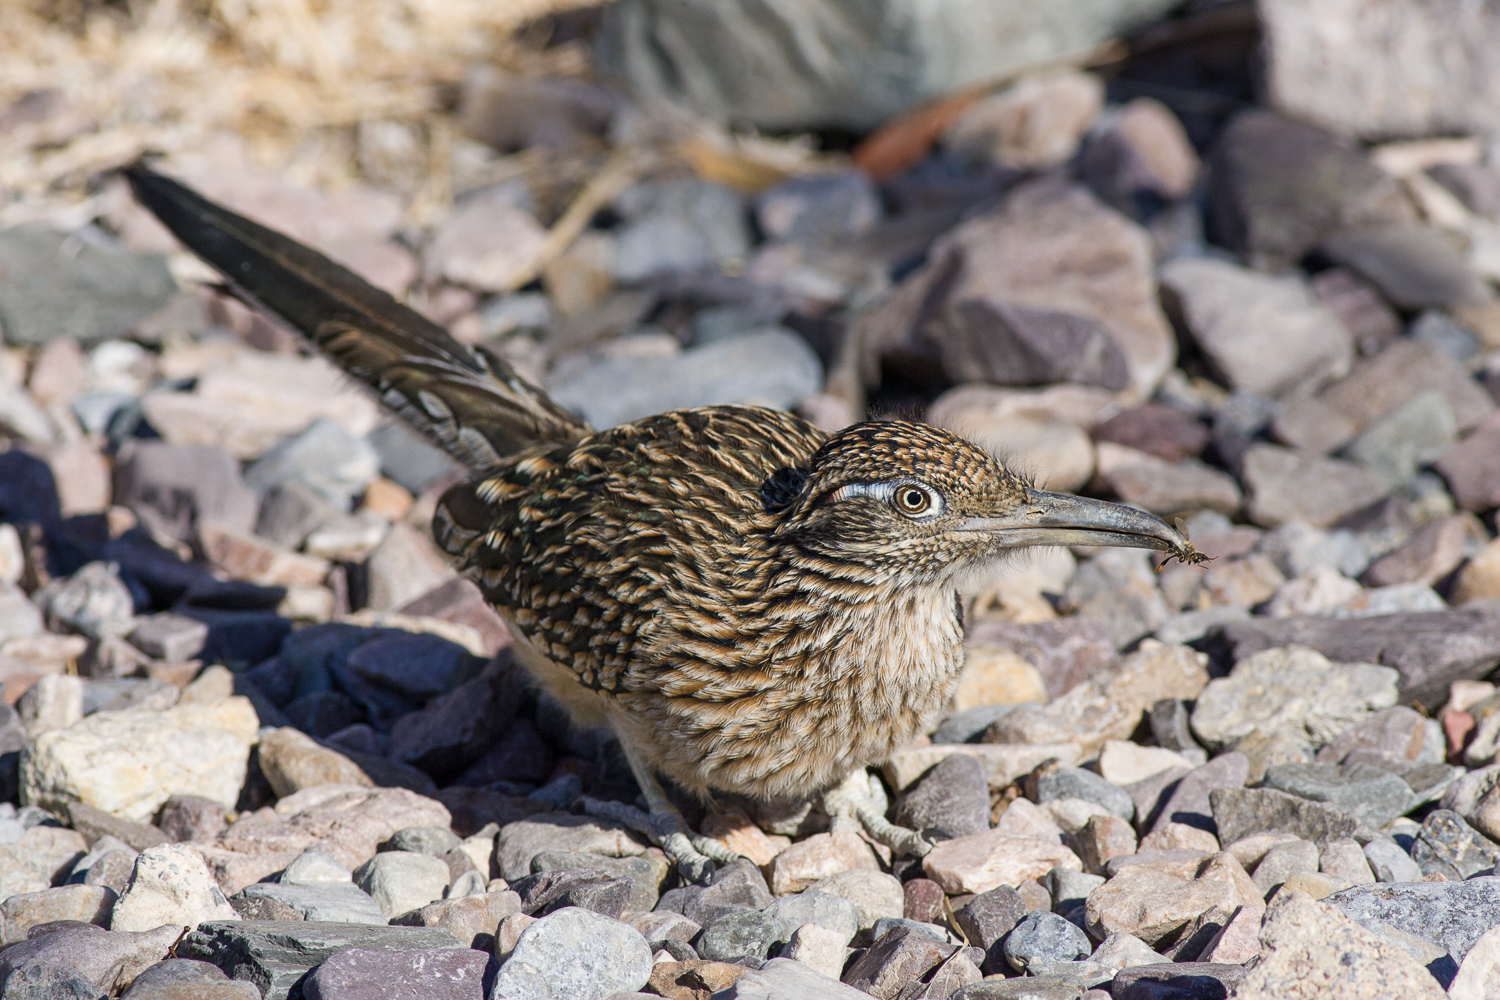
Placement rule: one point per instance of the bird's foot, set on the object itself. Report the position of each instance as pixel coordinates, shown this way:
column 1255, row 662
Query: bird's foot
column 859, row 801
column 693, row 854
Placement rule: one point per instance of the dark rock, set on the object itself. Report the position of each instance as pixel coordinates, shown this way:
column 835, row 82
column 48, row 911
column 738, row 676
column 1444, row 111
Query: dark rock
column 1177, row 981
column 417, row 665
column 967, row 726
column 1157, row 429
column 340, row 902
column 473, row 808
column 819, row 210
column 589, row 888
column 645, row 874
column 1446, row 845
column 1472, row 468
column 1010, row 344
column 735, row 886
column 28, row 492
column 320, row 713
column 454, row 730
column 1369, row 319
column 1054, row 781
column 240, row 638
column 1430, row 650
column 191, row 818
column 1169, row 720
column 924, row 900
column 950, row 800
column 1065, row 651
column 986, row 920
column 1280, row 186
column 738, row 934
column 1452, row 915
column 1239, row 812
column 359, row 973
column 95, row 823
column 55, row 285
column 1372, row 796
column 518, row 756
column 174, row 487
column 901, row 957
column 107, row 959
column 1043, row 937
column 1416, row 266
column 276, row 954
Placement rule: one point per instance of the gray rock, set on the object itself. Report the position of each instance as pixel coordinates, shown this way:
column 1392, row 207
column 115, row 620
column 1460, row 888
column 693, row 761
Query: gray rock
column 1399, row 732
column 407, row 458
column 1280, row 186
column 1430, row 651
column 738, row 62
column 1055, row 781
column 1185, row 798
column 1452, row 915
column 644, row 873
column 119, row 694
column 1177, row 981
column 341, row 902
column 1415, row 265
column 1299, row 857
column 191, row 818
column 1298, row 548
column 1343, row 861
column 735, row 886
column 174, row 638
column 574, row 954
column 290, row 511
column 1170, row 725
column 448, row 974
column 92, row 602
column 106, row 959
column 432, row 840
column 85, row 903
column 774, row 368
column 519, row 842
column 1045, row 937
column 1410, row 436
column 789, row 979
column 678, row 226
column 178, row 977
column 325, row 456
column 1069, row 889
column 1286, row 485
column 900, row 957
column 1118, row 588
column 1052, row 987
column 276, row 954
column 1448, row 846
column 819, row 210
column 1390, row 863
column 968, row 725
column 1239, row 812
column 589, row 888
column 55, row 285
column 400, row 881
column 1268, row 335
column 1397, row 599
column 812, row 907
column 990, row 340
column 951, row 800
column 1369, row 794
column 456, row 729
column 738, row 934
column 49, row 982
column 986, row 920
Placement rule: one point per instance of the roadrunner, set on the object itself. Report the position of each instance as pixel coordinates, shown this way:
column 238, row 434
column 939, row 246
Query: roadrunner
column 752, row 605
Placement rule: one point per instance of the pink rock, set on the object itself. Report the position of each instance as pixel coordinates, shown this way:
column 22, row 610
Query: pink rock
column 982, row 861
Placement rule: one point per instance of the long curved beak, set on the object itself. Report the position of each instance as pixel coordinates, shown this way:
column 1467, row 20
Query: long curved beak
column 1063, row 519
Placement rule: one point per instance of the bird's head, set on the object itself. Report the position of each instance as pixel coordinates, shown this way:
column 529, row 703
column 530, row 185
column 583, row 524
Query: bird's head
column 919, row 501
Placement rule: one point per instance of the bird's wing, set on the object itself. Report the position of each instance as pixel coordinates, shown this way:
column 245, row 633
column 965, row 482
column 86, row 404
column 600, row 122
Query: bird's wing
column 470, row 403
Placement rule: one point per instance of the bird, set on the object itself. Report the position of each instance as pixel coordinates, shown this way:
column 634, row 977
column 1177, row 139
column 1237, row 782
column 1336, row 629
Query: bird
column 754, row 606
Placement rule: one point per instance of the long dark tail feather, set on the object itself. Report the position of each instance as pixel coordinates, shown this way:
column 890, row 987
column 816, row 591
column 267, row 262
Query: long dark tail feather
column 470, row 403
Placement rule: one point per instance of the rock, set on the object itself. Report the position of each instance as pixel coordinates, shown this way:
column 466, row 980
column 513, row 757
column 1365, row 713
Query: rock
column 1034, row 124
column 773, row 368
column 1268, row 335
column 853, row 89
column 1281, row 862
column 1172, row 836
column 178, row 978
column 820, row 856
column 951, row 800
column 924, row 900
column 335, row 463
column 520, row 842
column 274, row 955
column 1479, row 975
column 738, row 934
column 57, row 287
column 1480, row 578
column 455, row 730
column 1447, row 845
column 1407, row 438
column 403, row 567
column 190, row 818
column 291, row 762
column 874, row 894
column 1066, row 651
column 692, row 979
column 988, row 918
column 1415, row 265
column 472, row 920
column 129, row 763
column 91, row 904
column 1471, row 469
column 1281, row 185
column 401, row 881
column 94, row 824
column 93, row 602
column 818, row 948
column 1051, row 782
column 54, row 702
column 1264, row 694
column 1002, row 763
column 1430, row 650
column 1398, row 731
column 592, row 889
column 830, row 912
column 1369, row 794
column 1102, row 838
column 1286, row 485
column 339, row 902
column 734, row 829
column 1122, row 762
column 1450, row 915
column 898, row 958
column 1154, row 899
column 1044, row 937
column 1239, row 939
column 818, row 210
column 1240, row 811
column 1177, row 979
column 448, row 974
column 1343, row 860
column 170, row 885
column 106, row 960
column 1390, row 863
column 466, row 250
column 1144, row 481
column 982, row 861
column 1125, row 951
column 1139, row 150
column 576, row 953
column 1434, row 552
column 347, row 822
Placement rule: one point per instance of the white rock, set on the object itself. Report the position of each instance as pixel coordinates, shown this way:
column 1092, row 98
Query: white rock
column 1479, row 976
column 982, row 861
column 402, row 881
column 817, row 948
column 53, row 702
column 170, row 885
column 129, row 763
column 1124, row 763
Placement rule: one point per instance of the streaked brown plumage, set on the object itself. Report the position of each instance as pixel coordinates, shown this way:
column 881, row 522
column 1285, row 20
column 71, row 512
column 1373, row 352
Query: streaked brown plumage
column 756, row 607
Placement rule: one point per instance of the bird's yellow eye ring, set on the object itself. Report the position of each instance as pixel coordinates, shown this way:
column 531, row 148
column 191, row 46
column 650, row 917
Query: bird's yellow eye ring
column 912, row 499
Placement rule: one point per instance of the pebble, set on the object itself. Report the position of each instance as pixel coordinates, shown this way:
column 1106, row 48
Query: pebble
column 821, row 855
column 982, row 861
column 401, row 881
column 1153, row 899
column 448, row 974
column 1309, row 948
column 170, row 885
column 874, row 894
column 106, row 960
column 575, row 953
column 1045, row 937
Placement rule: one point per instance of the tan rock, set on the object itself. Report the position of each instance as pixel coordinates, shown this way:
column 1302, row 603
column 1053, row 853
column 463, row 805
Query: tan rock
column 1102, row 838
column 91, row 904
column 403, row 567
column 43, row 855
column 82, row 476
column 473, row 920
column 1238, row 941
column 233, row 870
column 1080, row 405
column 1178, row 837
column 996, row 676
column 1309, row 949
column 486, row 244
column 129, row 763
column 292, row 761
column 1480, row 579
column 170, row 885
column 816, row 858
column 735, row 830
column 1035, row 123
column 1058, row 454
column 1122, row 762
column 1153, row 899
column 349, row 821
column 509, row 932
column 1479, row 974
column 1314, row 884
column 982, row 861
column 250, row 557
column 1072, row 815
column 1024, row 819
column 818, row 948
column 1003, row 763
column 1248, row 851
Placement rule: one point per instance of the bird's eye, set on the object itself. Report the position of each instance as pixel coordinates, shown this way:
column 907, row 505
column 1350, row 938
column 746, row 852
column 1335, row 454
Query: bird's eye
column 913, row 500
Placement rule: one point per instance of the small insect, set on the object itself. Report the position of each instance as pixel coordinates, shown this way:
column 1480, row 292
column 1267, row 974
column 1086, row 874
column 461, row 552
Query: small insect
column 1186, row 553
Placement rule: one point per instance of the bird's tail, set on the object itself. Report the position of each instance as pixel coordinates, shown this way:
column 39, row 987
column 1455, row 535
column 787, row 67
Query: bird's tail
column 470, row 403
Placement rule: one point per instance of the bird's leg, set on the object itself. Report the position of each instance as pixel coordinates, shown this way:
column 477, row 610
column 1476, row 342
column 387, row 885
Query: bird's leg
column 859, row 801
column 693, row 854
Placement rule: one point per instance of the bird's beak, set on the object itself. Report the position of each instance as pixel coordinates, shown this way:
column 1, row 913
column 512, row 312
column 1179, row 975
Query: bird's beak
column 1062, row 519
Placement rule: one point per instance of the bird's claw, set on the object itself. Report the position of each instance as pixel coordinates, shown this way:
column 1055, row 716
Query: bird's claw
column 694, row 855
column 860, row 800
